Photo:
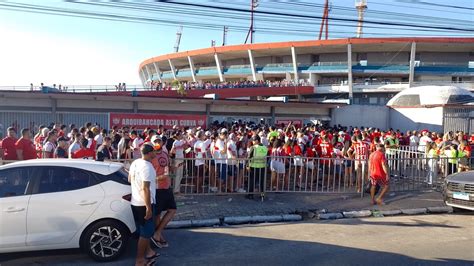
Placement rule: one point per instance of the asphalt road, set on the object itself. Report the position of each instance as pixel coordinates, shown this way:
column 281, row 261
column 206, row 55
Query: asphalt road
column 401, row 240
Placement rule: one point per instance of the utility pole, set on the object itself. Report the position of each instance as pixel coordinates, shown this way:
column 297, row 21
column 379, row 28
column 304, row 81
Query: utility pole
column 178, row 39
column 325, row 21
column 224, row 37
column 253, row 6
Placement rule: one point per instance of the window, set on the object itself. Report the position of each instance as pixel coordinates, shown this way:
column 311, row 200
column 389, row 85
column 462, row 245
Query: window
column 460, row 99
column 407, row 100
column 14, row 182
column 361, row 56
column 57, row 179
column 120, row 176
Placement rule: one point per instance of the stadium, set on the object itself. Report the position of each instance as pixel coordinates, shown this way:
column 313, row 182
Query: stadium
column 364, row 70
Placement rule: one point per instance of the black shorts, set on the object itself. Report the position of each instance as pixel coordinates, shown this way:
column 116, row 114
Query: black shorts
column 165, row 200
column 145, row 228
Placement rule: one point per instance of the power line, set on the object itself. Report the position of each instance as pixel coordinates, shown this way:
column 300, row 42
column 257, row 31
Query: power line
column 227, row 15
column 315, row 17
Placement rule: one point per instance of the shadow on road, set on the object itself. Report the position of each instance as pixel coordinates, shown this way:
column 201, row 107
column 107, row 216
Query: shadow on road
column 196, row 247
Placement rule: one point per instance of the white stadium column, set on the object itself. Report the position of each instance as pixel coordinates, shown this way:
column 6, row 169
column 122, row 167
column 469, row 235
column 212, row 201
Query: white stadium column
column 219, row 67
column 411, row 76
column 148, row 73
column 295, row 64
column 173, row 70
column 143, row 78
column 349, row 72
column 191, row 66
column 252, row 65
column 157, row 70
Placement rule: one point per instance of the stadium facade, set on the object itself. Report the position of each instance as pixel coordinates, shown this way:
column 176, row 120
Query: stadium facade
column 368, row 71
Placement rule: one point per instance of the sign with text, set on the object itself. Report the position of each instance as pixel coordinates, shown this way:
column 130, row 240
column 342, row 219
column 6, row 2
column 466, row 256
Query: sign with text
column 296, row 122
column 142, row 121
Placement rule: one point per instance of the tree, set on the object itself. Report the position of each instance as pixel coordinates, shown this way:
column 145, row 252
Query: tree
column 178, row 86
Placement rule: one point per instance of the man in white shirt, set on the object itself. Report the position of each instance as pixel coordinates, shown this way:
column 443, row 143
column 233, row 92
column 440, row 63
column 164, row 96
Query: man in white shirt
column 136, row 144
column 220, row 154
column 75, row 146
column 178, row 150
column 232, row 162
column 414, row 140
column 424, row 141
column 142, row 178
column 200, row 150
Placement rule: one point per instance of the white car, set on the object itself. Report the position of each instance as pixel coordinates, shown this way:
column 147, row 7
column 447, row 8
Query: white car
column 64, row 203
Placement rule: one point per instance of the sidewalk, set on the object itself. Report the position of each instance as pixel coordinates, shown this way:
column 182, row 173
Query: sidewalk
column 205, row 207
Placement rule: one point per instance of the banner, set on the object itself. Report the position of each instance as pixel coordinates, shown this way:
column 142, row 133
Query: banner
column 142, row 121
column 296, row 122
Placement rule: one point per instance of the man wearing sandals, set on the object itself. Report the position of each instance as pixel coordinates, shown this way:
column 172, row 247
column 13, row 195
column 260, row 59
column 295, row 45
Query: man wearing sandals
column 378, row 172
column 164, row 194
column 142, row 179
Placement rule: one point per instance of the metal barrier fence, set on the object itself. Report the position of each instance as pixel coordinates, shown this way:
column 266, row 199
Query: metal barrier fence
column 202, row 176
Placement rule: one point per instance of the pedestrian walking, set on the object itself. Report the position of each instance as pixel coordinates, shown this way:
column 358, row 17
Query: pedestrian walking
column 379, row 174
column 164, row 193
column 142, row 177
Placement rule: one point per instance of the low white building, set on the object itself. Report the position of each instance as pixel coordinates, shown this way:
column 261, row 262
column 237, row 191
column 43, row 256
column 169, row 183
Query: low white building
column 436, row 108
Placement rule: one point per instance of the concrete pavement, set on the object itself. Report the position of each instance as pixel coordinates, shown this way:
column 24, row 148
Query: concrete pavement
column 200, row 207
column 446, row 239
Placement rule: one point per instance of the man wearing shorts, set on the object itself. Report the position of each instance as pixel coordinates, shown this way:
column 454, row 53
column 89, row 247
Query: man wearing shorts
column 379, row 175
column 142, row 179
column 360, row 151
column 164, row 194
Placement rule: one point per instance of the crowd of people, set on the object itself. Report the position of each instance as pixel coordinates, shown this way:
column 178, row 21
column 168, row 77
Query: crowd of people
column 159, row 86
column 222, row 149
column 231, row 145
column 54, row 88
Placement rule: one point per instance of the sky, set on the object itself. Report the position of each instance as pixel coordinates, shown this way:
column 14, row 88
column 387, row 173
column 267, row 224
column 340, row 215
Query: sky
column 68, row 50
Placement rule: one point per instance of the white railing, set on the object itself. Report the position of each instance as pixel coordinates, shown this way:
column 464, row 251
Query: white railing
column 386, row 86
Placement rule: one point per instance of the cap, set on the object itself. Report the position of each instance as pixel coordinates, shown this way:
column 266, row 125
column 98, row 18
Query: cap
column 231, row 135
column 156, row 138
column 208, row 133
column 62, row 139
column 342, row 133
column 147, row 148
column 223, row 131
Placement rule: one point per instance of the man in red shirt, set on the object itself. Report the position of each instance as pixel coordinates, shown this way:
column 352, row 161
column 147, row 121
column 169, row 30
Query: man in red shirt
column 84, row 152
column 326, row 150
column 360, row 151
column 7, row 145
column 379, row 175
column 25, row 148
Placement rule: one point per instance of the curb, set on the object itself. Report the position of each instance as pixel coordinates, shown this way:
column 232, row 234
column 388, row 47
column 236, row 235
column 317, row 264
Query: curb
column 414, row 211
column 309, row 215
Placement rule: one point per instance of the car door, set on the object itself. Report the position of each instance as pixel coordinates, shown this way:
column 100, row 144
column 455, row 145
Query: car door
column 62, row 201
column 15, row 184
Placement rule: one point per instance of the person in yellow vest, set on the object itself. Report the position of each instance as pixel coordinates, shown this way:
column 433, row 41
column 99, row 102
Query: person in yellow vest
column 433, row 156
column 258, row 162
column 391, row 146
column 452, row 154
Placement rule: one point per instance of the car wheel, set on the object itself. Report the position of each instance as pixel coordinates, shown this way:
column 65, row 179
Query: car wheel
column 105, row 240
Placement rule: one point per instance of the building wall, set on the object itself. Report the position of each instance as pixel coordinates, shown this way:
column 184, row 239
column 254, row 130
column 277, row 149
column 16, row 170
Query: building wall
column 336, row 57
column 444, row 58
column 388, row 58
column 361, row 115
column 417, row 119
